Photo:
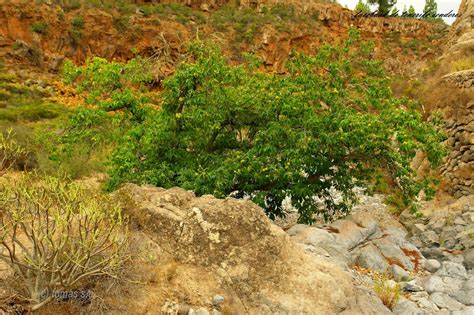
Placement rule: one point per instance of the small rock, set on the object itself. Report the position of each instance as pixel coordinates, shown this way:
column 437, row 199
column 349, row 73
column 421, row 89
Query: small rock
column 415, row 296
column 217, row 301
column 453, row 270
column 430, row 238
column 469, row 258
column 464, row 297
column 437, row 225
column 411, row 286
column 459, row 221
column 201, row 311
column 394, row 253
column 437, row 284
column 466, row 311
column 399, row 274
column 419, row 228
column 433, row 253
column 184, row 309
column 405, row 307
column 428, row 305
column 432, row 265
column 443, row 300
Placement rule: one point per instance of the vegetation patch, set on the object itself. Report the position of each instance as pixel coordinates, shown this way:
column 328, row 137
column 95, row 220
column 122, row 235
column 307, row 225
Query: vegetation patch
column 220, row 129
column 40, row 27
column 387, row 291
column 57, row 235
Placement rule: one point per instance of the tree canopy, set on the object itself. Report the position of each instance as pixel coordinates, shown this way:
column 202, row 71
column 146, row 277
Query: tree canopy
column 362, row 7
column 329, row 123
column 384, row 6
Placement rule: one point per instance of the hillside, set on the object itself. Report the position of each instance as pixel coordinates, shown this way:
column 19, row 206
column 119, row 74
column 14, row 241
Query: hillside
column 234, row 157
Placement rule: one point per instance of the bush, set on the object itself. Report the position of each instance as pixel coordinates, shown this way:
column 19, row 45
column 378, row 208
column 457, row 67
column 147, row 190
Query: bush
column 388, row 293
column 70, row 5
column 56, row 234
column 78, row 22
column 31, row 112
column 40, row 27
column 121, row 23
column 221, row 129
column 11, row 152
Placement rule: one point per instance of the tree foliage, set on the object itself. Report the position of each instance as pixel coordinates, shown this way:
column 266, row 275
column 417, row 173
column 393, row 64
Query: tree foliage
column 327, row 123
column 362, row 7
column 384, row 6
column 430, row 11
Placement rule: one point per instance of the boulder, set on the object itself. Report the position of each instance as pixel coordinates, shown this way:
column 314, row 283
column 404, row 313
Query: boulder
column 443, row 300
column 406, row 307
column 320, row 242
column 399, row 274
column 352, row 234
column 394, row 254
column 370, row 257
column 452, row 270
column 432, row 265
column 412, row 286
column 260, row 269
column 435, row 283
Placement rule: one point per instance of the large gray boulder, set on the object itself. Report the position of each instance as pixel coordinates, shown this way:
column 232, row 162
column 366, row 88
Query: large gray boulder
column 238, row 251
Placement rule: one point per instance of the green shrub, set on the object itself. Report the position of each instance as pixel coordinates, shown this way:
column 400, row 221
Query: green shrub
column 10, row 151
column 40, row 27
column 33, row 112
column 181, row 12
column 328, row 123
column 284, row 12
column 4, row 95
column 121, row 23
column 248, row 22
column 70, row 5
column 78, row 22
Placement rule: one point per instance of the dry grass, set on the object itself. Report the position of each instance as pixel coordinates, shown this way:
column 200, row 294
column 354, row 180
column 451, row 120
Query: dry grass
column 389, row 294
column 462, row 64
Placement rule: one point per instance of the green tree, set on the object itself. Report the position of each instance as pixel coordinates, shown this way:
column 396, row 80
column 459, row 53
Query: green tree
column 404, row 11
column 394, row 12
column 430, row 10
column 330, row 122
column 411, row 11
column 362, row 7
column 384, row 6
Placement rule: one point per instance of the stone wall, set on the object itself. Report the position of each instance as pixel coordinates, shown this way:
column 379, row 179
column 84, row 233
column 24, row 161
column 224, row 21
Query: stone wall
column 459, row 167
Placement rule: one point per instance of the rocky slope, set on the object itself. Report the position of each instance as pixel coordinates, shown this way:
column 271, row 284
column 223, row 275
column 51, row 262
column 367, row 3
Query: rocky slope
column 80, row 33
column 202, row 255
column 459, row 114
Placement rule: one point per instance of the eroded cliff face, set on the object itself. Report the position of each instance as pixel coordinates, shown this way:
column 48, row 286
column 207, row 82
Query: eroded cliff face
column 459, row 167
column 463, row 24
column 167, row 36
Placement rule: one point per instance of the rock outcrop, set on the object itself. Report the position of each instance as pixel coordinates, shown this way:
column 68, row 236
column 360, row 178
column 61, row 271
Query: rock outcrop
column 251, row 262
column 462, row 79
column 165, row 36
column 459, row 115
column 432, row 259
